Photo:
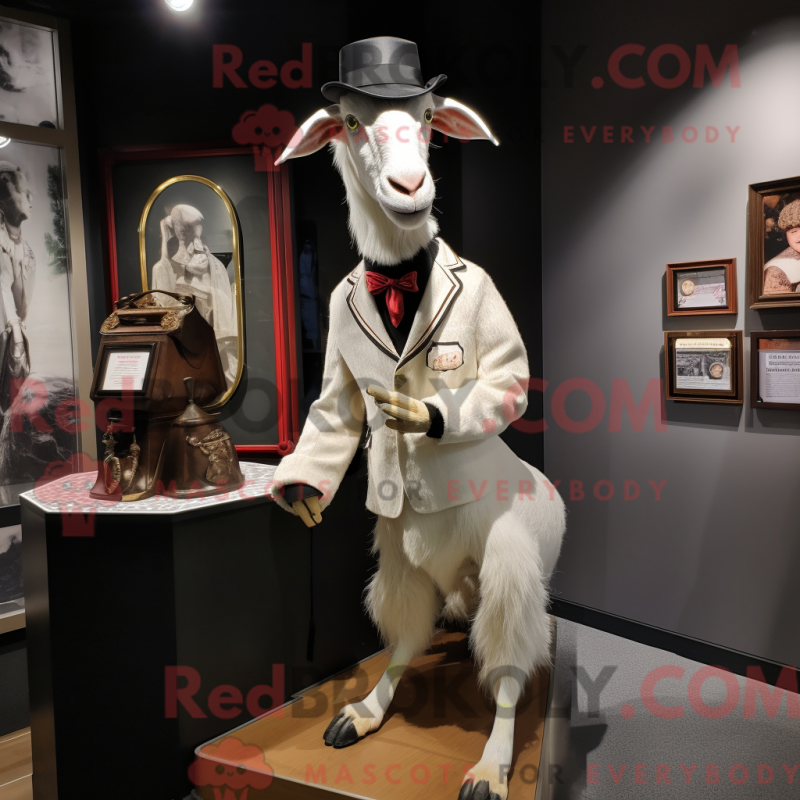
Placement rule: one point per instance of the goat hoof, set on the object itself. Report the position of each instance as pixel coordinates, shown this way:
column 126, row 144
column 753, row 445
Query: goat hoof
column 330, row 731
column 479, row 791
column 340, row 732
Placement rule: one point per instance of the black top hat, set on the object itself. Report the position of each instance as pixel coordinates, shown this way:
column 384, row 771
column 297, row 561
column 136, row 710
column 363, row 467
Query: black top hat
column 380, row 67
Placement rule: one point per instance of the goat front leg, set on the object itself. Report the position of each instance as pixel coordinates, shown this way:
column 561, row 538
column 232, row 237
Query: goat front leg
column 403, row 603
column 488, row 779
column 359, row 719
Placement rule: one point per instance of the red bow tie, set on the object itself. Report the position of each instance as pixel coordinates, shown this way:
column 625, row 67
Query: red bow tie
column 377, row 283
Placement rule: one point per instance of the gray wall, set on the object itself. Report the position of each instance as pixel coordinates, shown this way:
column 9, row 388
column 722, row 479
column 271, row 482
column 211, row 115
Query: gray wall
column 717, row 556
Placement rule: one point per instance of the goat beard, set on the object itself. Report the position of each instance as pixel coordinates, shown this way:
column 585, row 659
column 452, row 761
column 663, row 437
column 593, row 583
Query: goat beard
column 377, row 237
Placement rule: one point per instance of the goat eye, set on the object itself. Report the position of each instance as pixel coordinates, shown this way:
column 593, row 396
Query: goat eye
column 351, row 122
column 429, row 116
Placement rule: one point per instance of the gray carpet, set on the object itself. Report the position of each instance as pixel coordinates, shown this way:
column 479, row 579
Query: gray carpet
column 610, row 726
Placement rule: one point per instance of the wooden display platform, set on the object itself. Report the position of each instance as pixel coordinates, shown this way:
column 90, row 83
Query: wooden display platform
column 434, row 731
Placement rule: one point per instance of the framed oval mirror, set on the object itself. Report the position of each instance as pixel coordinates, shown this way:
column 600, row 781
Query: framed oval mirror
column 189, row 243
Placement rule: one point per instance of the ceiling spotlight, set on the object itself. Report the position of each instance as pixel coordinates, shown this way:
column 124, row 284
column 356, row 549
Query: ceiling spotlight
column 179, row 5
column 4, row 140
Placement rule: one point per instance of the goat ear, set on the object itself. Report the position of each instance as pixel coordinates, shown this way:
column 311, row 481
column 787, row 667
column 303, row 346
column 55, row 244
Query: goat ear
column 457, row 120
column 317, row 131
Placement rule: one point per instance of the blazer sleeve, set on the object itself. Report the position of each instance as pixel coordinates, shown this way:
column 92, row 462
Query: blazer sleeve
column 498, row 396
column 331, row 433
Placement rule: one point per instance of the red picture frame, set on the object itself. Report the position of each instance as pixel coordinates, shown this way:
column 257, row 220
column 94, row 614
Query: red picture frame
column 282, row 257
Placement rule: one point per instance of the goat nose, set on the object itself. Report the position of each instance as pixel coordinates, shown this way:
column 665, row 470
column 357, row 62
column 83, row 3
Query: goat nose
column 408, row 185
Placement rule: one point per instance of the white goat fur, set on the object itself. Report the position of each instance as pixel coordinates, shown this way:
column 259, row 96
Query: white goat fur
column 489, row 560
column 378, row 237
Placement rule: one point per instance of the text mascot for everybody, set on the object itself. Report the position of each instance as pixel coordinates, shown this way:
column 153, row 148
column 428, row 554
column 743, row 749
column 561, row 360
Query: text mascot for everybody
column 423, row 350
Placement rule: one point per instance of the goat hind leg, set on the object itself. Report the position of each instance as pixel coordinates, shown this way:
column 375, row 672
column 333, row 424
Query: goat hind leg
column 488, row 779
column 511, row 638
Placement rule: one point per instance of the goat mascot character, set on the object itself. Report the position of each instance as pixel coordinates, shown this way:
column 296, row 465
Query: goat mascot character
column 465, row 529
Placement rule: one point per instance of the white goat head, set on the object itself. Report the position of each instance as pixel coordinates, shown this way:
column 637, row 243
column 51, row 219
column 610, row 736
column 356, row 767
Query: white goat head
column 380, row 148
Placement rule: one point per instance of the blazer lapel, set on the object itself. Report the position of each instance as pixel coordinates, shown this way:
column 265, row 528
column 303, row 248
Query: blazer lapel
column 443, row 287
column 365, row 312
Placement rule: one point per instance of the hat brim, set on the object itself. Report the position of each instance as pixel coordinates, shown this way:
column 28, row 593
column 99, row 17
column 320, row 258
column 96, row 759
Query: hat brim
column 334, row 90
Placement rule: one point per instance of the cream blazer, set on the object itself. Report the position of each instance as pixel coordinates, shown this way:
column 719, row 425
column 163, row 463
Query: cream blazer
column 464, row 355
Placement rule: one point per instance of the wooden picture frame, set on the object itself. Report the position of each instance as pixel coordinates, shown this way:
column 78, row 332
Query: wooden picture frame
column 756, row 338
column 270, row 262
column 768, row 241
column 734, row 395
column 688, row 269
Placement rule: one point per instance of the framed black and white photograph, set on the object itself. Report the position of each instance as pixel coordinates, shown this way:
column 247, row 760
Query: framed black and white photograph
column 774, row 243
column 703, row 366
column 37, row 380
column 702, row 287
column 46, row 426
column 29, row 77
column 189, row 243
column 203, row 221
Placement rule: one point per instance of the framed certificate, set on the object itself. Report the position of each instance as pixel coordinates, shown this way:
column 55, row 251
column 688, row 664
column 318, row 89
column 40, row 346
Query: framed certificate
column 126, row 368
column 702, row 287
column 775, row 369
column 703, row 366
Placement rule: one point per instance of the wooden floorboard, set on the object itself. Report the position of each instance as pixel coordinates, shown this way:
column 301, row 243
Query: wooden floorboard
column 433, row 733
column 18, row 790
column 16, row 766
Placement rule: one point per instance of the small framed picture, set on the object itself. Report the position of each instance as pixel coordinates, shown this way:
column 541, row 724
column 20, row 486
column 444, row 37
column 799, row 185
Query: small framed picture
column 775, row 369
column 773, row 246
column 30, row 81
column 703, row 366
column 702, row 287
